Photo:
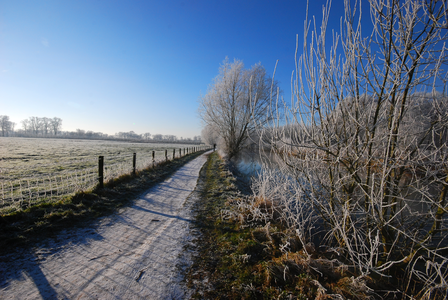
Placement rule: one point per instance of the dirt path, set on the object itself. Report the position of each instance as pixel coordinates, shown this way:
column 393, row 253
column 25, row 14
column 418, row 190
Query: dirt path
column 130, row 255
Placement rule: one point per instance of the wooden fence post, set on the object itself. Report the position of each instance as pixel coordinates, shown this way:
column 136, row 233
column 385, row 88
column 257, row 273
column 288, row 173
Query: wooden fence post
column 166, row 155
column 101, row 171
column 174, row 153
column 134, row 161
column 153, row 158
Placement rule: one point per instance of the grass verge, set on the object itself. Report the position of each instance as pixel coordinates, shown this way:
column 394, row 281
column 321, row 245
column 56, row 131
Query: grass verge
column 244, row 252
column 23, row 228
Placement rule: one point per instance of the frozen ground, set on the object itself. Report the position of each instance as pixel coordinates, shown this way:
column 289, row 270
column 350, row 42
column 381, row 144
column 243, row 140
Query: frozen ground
column 131, row 255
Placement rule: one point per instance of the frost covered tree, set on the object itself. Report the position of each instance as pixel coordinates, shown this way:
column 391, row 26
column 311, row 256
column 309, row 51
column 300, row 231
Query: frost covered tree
column 157, row 137
column 26, row 125
column 5, row 124
column 35, row 124
column 237, row 99
column 363, row 149
column 45, row 125
column 56, row 125
column 209, row 135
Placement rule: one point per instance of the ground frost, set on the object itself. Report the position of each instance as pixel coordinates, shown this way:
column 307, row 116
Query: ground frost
column 135, row 254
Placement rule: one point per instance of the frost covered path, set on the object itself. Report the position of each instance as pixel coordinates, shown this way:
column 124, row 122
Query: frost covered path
column 129, row 255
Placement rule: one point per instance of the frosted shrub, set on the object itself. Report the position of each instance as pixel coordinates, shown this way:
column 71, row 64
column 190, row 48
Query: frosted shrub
column 362, row 149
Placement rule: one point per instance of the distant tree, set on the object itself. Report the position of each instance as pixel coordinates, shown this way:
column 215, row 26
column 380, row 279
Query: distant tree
column 170, row 137
column 157, row 137
column 80, row 133
column 26, row 125
column 147, row 135
column 209, row 135
column 128, row 135
column 133, row 135
column 35, row 125
column 45, row 124
column 5, row 124
column 13, row 125
column 236, row 101
column 56, row 125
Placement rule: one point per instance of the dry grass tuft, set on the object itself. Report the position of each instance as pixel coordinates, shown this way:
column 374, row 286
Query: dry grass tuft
column 245, row 252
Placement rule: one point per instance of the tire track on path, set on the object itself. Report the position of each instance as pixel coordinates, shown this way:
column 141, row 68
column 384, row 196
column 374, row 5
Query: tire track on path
column 130, row 255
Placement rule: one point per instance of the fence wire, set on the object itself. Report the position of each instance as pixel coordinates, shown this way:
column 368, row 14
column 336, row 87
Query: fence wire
column 23, row 193
column 20, row 193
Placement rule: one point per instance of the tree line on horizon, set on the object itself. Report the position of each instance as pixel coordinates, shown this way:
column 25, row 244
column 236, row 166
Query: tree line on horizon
column 52, row 127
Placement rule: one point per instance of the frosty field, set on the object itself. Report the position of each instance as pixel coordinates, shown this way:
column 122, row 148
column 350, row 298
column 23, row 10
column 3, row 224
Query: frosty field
column 36, row 169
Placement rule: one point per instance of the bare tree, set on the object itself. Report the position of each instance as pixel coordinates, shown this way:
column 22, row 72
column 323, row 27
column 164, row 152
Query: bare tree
column 35, row 124
column 5, row 125
column 56, row 125
column 169, row 137
column 157, row 137
column 209, row 135
column 365, row 139
column 80, row 133
column 45, row 125
column 26, row 125
column 236, row 100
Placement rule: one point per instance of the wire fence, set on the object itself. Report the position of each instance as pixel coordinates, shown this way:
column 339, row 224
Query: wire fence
column 21, row 193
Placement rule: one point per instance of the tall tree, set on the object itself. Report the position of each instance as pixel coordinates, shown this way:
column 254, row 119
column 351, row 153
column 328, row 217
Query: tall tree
column 35, row 125
column 5, row 124
column 25, row 125
column 235, row 102
column 45, row 125
column 209, row 135
column 56, row 125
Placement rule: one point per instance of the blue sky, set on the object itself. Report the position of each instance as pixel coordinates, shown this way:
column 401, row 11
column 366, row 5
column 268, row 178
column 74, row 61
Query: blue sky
column 111, row 66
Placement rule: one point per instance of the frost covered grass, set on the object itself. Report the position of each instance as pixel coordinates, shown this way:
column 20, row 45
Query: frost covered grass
column 24, row 227
column 31, row 157
column 245, row 251
column 35, row 171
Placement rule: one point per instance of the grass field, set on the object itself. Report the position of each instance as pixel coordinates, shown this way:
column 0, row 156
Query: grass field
column 29, row 157
column 33, row 170
column 27, row 225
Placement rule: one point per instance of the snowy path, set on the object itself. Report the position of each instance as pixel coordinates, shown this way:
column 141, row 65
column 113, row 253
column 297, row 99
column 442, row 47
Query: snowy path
column 130, row 255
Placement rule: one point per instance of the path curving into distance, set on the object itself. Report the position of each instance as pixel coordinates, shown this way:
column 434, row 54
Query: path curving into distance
column 130, row 255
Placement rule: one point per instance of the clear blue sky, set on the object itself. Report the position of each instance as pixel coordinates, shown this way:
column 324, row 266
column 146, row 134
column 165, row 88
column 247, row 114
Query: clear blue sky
column 126, row 65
